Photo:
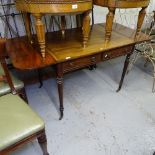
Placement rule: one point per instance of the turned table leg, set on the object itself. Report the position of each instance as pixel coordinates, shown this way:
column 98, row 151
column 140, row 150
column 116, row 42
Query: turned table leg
column 126, row 64
column 141, row 17
column 60, row 88
column 43, row 143
column 40, row 30
column 86, row 28
column 63, row 25
column 28, row 26
column 109, row 23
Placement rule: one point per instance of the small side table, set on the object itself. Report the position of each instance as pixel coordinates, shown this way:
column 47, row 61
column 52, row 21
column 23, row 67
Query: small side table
column 40, row 7
column 124, row 4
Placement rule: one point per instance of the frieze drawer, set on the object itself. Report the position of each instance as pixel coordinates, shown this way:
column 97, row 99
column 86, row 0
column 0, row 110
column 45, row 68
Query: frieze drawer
column 116, row 53
column 81, row 62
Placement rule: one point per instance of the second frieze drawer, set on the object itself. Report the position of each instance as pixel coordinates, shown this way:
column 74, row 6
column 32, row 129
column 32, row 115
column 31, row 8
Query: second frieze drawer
column 81, row 62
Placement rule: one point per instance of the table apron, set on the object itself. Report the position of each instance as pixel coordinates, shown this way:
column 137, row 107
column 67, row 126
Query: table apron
column 82, row 62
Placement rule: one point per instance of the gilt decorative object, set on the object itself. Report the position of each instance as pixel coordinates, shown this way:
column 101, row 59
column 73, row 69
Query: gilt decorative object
column 113, row 4
column 55, row 7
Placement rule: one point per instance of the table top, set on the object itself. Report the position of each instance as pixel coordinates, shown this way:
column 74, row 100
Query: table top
column 58, row 49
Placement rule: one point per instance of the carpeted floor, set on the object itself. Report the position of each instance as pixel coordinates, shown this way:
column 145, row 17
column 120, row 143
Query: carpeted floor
column 97, row 120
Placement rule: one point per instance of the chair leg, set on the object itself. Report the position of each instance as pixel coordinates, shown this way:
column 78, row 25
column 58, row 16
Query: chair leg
column 43, row 143
column 23, row 95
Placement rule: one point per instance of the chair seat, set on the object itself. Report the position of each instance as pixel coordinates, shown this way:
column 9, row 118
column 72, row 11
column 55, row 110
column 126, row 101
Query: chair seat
column 4, row 87
column 17, row 120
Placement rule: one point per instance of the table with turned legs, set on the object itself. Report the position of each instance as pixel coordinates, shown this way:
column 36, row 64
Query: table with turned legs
column 62, row 7
column 112, row 5
column 67, row 55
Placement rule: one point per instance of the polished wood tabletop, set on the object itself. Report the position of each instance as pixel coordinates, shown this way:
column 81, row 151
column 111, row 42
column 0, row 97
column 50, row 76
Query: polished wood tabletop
column 27, row 56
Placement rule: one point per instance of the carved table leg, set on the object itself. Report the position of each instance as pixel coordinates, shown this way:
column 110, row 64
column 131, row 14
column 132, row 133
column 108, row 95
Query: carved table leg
column 43, row 143
column 86, row 28
column 124, row 71
column 28, row 26
column 40, row 30
column 109, row 23
column 141, row 17
column 60, row 88
column 63, row 25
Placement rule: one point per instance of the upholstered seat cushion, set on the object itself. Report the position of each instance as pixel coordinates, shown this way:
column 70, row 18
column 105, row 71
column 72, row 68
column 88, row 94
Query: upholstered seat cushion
column 17, row 120
column 4, row 87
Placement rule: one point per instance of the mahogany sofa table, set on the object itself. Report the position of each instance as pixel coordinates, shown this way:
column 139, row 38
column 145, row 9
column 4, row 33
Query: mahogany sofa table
column 55, row 7
column 68, row 55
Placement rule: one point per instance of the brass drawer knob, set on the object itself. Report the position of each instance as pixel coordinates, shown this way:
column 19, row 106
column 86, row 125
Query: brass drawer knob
column 106, row 55
column 71, row 64
column 93, row 59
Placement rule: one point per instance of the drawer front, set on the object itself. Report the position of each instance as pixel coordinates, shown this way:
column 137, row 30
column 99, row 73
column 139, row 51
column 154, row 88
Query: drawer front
column 116, row 53
column 81, row 62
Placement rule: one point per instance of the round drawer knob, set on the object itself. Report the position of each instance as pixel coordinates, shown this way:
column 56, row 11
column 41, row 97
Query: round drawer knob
column 106, row 56
column 93, row 59
column 71, row 64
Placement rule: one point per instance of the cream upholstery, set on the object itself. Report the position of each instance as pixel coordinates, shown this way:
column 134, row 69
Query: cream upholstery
column 17, row 120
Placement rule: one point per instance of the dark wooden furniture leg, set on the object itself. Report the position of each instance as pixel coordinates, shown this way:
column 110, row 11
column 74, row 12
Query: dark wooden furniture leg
column 109, row 23
column 23, row 95
column 40, row 77
column 124, row 71
column 28, row 26
column 43, row 143
column 86, row 28
column 59, row 72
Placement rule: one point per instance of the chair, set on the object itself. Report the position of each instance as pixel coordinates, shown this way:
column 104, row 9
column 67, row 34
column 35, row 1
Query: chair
column 19, row 124
column 8, row 82
column 146, row 49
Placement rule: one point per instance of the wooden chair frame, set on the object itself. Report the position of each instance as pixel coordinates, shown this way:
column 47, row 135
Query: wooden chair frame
column 41, row 136
column 3, row 55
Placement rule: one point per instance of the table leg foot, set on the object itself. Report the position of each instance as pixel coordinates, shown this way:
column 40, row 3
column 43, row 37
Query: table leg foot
column 109, row 23
column 86, row 28
column 61, row 113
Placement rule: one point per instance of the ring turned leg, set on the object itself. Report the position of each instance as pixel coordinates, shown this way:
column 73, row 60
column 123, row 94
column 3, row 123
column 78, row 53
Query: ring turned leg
column 63, row 25
column 60, row 88
column 28, row 26
column 124, row 71
column 43, row 143
column 86, row 28
column 40, row 30
column 109, row 23
column 141, row 17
